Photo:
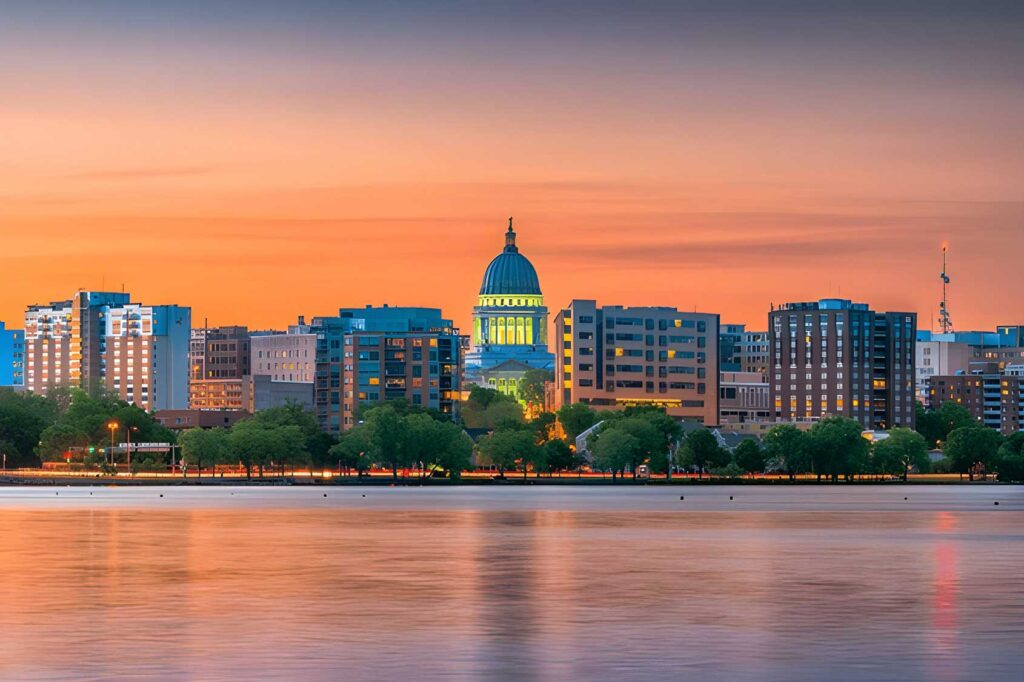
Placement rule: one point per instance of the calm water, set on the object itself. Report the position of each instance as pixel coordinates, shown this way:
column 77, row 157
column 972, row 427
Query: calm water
column 513, row 583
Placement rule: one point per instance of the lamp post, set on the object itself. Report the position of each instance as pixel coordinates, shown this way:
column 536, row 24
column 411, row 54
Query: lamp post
column 113, row 429
column 129, row 433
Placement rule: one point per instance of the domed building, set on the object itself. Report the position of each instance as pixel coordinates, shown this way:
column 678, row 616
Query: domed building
column 510, row 322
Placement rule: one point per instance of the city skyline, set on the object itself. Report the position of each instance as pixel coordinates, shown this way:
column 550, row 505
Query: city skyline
column 289, row 159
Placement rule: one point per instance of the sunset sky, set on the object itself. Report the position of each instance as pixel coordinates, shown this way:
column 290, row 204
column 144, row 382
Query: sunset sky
column 259, row 160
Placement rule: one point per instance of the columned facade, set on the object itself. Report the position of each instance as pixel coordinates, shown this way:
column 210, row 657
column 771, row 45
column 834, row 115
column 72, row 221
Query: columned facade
column 510, row 321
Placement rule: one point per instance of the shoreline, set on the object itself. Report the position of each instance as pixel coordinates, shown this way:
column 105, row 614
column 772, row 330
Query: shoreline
column 30, row 480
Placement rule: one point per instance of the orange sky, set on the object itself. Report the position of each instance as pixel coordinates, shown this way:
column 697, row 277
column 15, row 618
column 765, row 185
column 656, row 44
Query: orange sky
column 286, row 165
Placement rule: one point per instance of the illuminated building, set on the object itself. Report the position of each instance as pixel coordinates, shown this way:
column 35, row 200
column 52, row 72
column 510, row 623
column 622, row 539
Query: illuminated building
column 741, row 350
column 12, row 356
column 374, row 354
column 101, row 340
column 145, row 360
column 615, row 357
column 510, row 321
column 218, row 362
column 47, row 346
column 836, row 357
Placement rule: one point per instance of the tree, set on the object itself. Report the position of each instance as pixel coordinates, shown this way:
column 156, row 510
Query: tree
column 575, row 419
column 749, row 456
column 390, row 442
column 901, row 451
column 486, row 406
column 504, row 448
column 936, row 424
column 614, row 449
column 838, row 448
column 456, row 450
column 23, row 418
column 701, row 451
column 531, row 388
column 559, row 455
column 969, row 448
column 251, row 443
column 786, row 449
column 204, row 447
column 1009, row 462
column 543, row 426
column 352, row 451
column 668, row 428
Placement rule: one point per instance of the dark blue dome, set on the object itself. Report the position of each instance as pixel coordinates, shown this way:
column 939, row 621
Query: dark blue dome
column 510, row 272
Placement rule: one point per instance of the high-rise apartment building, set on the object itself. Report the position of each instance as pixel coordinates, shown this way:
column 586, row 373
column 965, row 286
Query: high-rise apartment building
column 12, row 357
column 145, row 359
column 836, row 357
column 373, row 354
column 219, row 360
column 47, row 346
column 938, row 358
column 615, row 357
column 102, row 340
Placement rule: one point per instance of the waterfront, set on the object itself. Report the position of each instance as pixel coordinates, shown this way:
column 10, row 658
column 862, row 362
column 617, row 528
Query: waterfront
column 513, row 583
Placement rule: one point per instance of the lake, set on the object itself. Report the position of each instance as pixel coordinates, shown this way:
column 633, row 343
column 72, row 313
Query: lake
column 513, row 583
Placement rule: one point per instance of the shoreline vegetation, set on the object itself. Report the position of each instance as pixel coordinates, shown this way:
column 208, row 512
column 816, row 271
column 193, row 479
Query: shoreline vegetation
column 72, row 436
column 384, row 479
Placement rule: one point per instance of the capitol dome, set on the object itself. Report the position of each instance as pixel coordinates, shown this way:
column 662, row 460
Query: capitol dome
column 510, row 273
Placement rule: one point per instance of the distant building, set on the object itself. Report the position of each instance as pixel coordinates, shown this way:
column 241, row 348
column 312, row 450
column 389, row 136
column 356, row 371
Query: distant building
column 836, row 357
column 12, row 357
column 47, row 346
column 374, row 354
column 219, row 359
column 182, row 420
column 510, row 320
column 504, row 377
column 938, row 358
column 742, row 350
column 261, row 392
column 743, row 397
column 992, row 393
column 614, row 357
column 102, row 340
column 145, row 357
column 287, row 357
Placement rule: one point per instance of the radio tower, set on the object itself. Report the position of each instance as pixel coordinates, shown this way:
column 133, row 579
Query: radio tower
column 945, row 323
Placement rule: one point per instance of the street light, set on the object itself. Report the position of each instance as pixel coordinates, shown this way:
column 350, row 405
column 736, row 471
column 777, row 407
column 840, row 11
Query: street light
column 129, row 431
column 113, row 429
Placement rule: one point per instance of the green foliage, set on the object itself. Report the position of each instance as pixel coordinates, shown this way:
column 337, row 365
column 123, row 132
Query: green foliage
column 936, row 425
column 531, row 387
column 968, row 447
column 701, row 452
column 786, row 449
column 730, row 470
column 352, row 450
column 81, row 420
column 902, row 450
column 838, row 448
column 23, row 418
column 205, row 447
column 614, row 449
column 488, row 408
column 575, row 419
column 543, row 426
column 749, row 456
column 505, row 447
column 559, row 455
column 1009, row 461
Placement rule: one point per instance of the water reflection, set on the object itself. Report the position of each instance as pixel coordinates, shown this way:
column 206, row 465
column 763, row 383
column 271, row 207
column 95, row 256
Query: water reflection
column 609, row 592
